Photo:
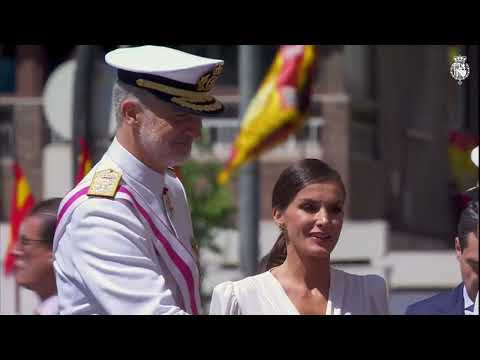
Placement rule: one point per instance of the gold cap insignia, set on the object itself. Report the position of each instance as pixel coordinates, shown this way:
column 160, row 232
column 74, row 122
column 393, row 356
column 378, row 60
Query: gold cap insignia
column 105, row 183
column 207, row 81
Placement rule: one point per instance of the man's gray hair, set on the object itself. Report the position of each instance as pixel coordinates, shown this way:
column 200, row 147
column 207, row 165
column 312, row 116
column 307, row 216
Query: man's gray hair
column 121, row 92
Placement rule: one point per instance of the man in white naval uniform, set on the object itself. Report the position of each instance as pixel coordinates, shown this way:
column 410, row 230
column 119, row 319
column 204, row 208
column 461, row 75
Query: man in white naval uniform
column 123, row 243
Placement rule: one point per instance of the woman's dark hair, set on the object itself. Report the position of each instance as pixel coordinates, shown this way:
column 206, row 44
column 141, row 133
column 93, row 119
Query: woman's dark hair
column 47, row 211
column 292, row 180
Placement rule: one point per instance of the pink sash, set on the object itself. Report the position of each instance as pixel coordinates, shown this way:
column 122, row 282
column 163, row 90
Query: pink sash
column 179, row 260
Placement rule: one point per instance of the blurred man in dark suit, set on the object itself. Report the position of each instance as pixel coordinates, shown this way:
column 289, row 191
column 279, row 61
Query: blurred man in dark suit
column 463, row 300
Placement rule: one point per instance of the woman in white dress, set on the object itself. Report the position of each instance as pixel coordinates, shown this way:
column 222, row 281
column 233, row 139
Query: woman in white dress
column 307, row 203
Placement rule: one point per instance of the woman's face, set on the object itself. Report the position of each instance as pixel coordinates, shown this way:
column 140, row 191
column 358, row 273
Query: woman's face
column 314, row 219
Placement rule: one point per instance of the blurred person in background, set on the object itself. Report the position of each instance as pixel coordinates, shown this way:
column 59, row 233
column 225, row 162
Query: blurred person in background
column 298, row 279
column 463, row 300
column 33, row 255
column 459, row 301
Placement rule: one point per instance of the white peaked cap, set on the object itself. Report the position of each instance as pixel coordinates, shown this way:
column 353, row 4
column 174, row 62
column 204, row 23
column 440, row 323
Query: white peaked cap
column 162, row 61
column 172, row 75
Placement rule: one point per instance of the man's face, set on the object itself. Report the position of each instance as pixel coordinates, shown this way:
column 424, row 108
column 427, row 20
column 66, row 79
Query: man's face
column 166, row 134
column 468, row 259
column 33, row 257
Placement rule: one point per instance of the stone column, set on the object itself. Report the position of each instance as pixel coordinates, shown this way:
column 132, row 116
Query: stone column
column 335, row 105
column 29, row 128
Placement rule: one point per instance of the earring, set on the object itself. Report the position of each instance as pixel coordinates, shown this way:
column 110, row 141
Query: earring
column 282, row 228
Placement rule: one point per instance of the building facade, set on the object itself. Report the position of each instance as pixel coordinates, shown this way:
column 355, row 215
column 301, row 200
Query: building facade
column 381, row 116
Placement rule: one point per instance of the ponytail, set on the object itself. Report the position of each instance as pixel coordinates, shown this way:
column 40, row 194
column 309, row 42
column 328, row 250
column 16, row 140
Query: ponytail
column 276, row 256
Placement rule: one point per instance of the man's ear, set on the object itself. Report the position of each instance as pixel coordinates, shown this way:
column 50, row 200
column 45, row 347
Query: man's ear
column 458, row 248
column 50, row 257
column 130, row 111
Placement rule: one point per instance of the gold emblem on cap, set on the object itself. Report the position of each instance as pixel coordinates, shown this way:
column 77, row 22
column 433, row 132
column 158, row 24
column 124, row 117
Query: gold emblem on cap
column 191, row 95
column 207, row 81
column 194, row 100
column 105, row 183
column 197, row 107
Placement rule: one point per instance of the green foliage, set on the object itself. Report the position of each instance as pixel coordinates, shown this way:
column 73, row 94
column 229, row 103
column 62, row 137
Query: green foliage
column 212, row 205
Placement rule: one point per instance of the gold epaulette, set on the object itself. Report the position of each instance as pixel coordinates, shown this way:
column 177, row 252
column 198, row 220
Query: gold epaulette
column 105, row 183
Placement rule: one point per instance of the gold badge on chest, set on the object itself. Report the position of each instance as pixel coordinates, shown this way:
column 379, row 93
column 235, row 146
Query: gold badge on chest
column 105, row 183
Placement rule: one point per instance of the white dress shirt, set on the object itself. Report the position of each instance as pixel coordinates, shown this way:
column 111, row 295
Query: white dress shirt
column 475, row 308
column 470, row 307
column 264, row 295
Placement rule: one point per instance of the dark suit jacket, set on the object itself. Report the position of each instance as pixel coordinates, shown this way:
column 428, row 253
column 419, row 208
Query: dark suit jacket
column 445, row 303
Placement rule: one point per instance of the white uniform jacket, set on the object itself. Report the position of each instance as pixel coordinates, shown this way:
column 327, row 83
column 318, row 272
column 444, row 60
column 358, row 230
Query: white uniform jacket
column 131, row 254
column 48, row 307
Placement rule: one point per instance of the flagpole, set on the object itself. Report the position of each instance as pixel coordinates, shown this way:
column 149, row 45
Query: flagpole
column 252, row 69
column 85, row 56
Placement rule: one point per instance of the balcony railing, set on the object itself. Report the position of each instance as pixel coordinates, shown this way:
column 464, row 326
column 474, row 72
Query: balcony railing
column 219, row 134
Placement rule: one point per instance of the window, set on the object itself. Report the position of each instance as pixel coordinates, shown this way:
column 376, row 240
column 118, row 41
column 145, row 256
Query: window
column 6, row 131
column 7, row 69
column 361, row 72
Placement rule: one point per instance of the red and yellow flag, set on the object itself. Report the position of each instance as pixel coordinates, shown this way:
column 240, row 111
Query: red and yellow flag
column 85, row 162
column 22, row 203
column 279, row 108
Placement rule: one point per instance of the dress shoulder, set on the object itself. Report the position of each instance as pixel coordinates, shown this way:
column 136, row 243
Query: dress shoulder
column 240, row 297
column 224, row 300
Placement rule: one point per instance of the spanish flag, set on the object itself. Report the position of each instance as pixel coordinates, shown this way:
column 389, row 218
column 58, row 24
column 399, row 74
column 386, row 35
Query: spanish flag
column 85, row 162
column 279, row 108
column 22, row 203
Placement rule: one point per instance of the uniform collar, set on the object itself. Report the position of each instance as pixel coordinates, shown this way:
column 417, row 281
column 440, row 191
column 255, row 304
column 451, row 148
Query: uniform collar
column 135, row 169
column 49, row 306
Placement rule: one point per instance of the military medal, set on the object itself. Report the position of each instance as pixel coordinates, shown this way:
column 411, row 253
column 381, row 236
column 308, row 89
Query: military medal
column 167, row 201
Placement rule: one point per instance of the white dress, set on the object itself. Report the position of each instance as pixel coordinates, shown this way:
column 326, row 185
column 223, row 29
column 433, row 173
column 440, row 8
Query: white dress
column 264, row 295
